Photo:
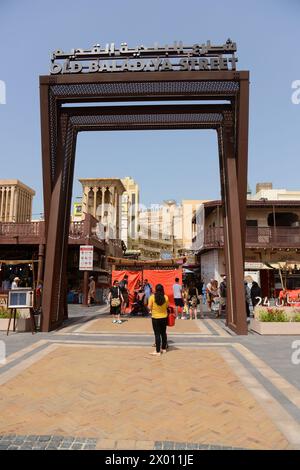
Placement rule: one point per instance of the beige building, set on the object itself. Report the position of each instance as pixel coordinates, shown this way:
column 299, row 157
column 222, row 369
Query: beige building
column 162, row 231
column 166, row 230
column 156, row 231
column 102, row 198
column 266, row 191
column 15, row 201
column 272, row 254
column 189, row 209
column 130, row 212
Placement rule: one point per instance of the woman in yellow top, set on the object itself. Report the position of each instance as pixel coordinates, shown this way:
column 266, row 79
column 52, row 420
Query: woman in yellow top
column 158, row 307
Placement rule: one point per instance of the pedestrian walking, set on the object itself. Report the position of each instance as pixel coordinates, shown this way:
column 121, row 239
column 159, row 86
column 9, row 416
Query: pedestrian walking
column 223, row 295
column 158, row 307
column 199, row 286
column 193, row 298
column 125, row 294
column 177, row 293
column 147, row 290
column 92, row 291
column 115, row 299
column 204, row 294
column 247, row 298
column 255, row 293
column 215, row 297
column 209, row 295
column 185, row 309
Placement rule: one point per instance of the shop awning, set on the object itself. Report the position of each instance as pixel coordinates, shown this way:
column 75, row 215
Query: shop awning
column 132, row 262
column 284, row 265
column 253, row 265
column 18, row 261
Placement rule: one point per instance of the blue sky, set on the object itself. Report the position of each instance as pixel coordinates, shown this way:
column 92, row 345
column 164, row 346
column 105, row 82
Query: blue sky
column 174, row 164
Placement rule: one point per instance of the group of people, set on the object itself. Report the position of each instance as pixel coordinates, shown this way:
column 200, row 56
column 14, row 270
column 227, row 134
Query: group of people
column 216, row 295
column 15, row 282
column 187, row 298
column 156, row 304
column 157, row 307
column 252, row 295
column 118, row 298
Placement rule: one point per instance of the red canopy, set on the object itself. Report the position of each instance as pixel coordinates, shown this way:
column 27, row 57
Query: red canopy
column 166, row 277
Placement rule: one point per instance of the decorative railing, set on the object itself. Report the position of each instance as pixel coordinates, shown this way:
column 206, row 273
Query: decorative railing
column 285, row 237
column 81, row 232
column 22, row 230
column 76, row 230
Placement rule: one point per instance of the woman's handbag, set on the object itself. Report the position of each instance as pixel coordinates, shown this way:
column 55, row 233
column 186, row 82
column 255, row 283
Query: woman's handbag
column 115, row 302
column 171, row 319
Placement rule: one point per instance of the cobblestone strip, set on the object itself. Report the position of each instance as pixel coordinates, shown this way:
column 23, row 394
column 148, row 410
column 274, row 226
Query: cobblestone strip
column 50, row 442
column 53, row 442
column 171, row 445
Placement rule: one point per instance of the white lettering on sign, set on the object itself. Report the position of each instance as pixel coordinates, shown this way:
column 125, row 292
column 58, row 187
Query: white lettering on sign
column 175, row 57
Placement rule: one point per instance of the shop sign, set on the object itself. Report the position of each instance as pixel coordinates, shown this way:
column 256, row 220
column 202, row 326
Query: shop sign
column 86, row 258
column 170, row 57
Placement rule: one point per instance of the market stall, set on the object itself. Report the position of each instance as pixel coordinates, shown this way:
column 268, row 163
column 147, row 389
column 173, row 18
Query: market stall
column 159, row 272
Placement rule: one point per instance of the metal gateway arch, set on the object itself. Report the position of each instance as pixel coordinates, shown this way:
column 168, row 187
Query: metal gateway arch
column 183, row 81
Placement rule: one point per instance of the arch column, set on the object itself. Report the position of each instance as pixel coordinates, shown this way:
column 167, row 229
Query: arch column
column 20, row 206
column 2, row 204
column 95, row 191
column 11, row 206
column 233, row 240
column 103, row 189
column 85, row 201
column 116, row 214
column 28, row 208
column 6, row 205
column 54, row 303
column 16, row 206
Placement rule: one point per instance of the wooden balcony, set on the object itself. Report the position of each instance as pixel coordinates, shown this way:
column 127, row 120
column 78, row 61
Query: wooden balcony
column 33, row 233
column 22, row 233
column 257, row 237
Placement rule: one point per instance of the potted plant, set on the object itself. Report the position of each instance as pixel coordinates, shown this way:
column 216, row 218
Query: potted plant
column 276, row 321
column 4, row 319
column 24, row 322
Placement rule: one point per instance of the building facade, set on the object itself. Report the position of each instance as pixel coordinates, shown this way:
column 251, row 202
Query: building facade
column 15, row 201
column 130, row 212
column 156, row 232
column 165, row 230
column 265, row 191
column 272, row 255
column 102, row 198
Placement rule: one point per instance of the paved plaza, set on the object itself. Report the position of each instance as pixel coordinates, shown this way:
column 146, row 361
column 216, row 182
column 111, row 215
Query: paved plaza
column 93, row 385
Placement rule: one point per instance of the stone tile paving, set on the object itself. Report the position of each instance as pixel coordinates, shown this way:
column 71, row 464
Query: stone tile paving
column 95, row 388
column 275, row 351
column 45, row 442
column 140, row 325
column 170, row 445
column 48, row 442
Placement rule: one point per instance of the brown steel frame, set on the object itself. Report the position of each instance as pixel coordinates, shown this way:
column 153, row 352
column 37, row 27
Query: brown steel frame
column 60, row 125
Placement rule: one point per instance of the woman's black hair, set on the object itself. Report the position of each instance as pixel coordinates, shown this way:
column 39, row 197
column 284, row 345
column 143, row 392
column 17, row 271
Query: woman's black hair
column 159, row 295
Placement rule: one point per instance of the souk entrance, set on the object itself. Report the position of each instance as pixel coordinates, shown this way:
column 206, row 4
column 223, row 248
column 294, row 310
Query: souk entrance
column 214, row 95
